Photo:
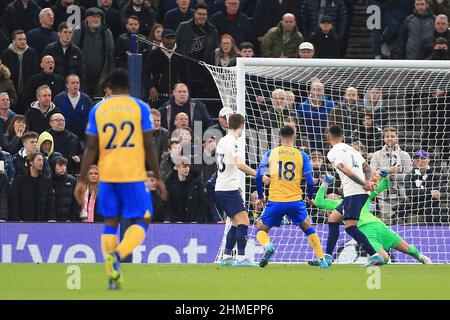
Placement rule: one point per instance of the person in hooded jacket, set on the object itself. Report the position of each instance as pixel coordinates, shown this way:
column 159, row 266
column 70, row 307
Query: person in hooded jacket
column 46, row 146
column 38, row 116
column 440, row 50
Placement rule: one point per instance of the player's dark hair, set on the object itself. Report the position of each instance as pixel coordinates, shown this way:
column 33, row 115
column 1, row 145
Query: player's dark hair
column 287, row 132
column 117, row 81
column 235, row 121
column 30, row 135
column 335, row 131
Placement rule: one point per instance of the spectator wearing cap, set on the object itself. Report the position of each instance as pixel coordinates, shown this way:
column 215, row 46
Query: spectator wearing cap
column 97, row 46
column 161, row 135
column 122, row 47
column 62, row 14
column 312, row 11
column 325, row 39
column 440, row 50
column 306, row 50
column 163, row 69
column 283, row 40
column 220, row 129
column 423, row 190
column 187, row 202
column 21, row 15
column 182, row 12
column 39, row 37
column 181, row 102
column 143, row 11
column 67, row 56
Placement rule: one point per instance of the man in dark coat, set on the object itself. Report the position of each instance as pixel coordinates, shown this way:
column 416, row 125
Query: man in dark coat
column 67, row 208
column 22, row 15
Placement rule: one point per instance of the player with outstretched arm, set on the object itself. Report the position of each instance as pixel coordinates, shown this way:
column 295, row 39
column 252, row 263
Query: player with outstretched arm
column 287, row 166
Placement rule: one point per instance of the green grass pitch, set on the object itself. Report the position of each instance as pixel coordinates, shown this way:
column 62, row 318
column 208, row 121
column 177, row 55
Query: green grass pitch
column 179, row 282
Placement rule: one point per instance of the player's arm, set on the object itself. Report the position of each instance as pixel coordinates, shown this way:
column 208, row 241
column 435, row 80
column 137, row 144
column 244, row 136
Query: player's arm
column 89, row 155
column 322, row 203
column 244, row 167
column 260, row 173
column 382, row 185
column 349, row 173
column 307, row 173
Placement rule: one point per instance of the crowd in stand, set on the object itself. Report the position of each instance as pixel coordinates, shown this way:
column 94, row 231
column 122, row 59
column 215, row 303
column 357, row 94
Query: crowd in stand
column 50, row 71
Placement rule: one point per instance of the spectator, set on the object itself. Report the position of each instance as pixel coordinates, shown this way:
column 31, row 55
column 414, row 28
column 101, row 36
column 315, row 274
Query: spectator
column 122, row 47
column 161, row 135
column 66, row 143
column 312, row 11
column 190, row 144
column 233, row 22
column 181, row 121
column 197, row 38
column 274, row 113
column 4, row 191
column 38, row 116
column 21, row 15
column 93, row 38
column 175, row 16
column 168, row 158
column 374, row 104
column 46, row 146
column 440, row 7
column 283, row 40
column 398, row 163
column 112, row 17
column 4, row 36
column 11, row 141
column 32, row 194
column 7, row 87
column 290, row 100
column 46, row 77
column 39, row 37
column 89, row 209
column 313, row 114
column 220, row 129
column 75, row 106
column 417, row 32
column 8, row 165
column 163, row 69
column 423, row 190
column 187, row 200
column 62, row 14
column 306, row 50
column 325, row 40
column 208, row 166
column 29, row 141
column 369, row 135
column 349, row 114
column 67, row 56
column 158, row 205
column 441, row 27
column 156, row 35
column 319, row 168
column 440, row 50
column 181, row 102
column 268, row 13
column 22, row 61
column 360, row 147
column 143, row 11
column 226, row 51
column 246, row 50
column 64, row 185
column 6, row 115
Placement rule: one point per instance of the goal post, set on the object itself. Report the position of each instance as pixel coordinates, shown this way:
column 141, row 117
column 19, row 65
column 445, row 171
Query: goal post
column 413, row 97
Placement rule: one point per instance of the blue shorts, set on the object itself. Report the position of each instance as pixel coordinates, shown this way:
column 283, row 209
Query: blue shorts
column 351, row 206
column 275, row 211
column 132, row 200
column 231, row 202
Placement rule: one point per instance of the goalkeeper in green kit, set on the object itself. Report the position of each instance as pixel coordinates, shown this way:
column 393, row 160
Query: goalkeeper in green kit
column 380, row 236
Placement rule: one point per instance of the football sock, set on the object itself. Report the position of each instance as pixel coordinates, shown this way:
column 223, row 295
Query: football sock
column 109, row 240
column 263, row 238
column 133, row 237
column 314, row 242
column 231, row 241
column 241, row 238
column 359, row 237
column 412, row 251
column 333, row 236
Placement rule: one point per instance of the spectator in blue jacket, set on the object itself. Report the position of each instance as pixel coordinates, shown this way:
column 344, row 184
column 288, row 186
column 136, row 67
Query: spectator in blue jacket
column 311, row 15
column 313, row 115
column 39, row 38
column 74, row 105
column 233, row 22
column 177, row 15
column 181, row 102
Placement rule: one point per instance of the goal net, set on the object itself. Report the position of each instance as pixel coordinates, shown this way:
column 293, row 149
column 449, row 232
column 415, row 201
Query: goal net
column 396, row 113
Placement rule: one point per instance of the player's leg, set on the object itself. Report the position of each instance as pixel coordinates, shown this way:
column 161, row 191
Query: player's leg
column 411, row 250
column 272, row 215
column 242, row 222
column 230, row 242
column 133, row 237
column 373, row 232
column 314, row 242
column 263, row 238
column 352, row 209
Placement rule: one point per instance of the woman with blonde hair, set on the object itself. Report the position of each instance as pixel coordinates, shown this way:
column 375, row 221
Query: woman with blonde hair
column 89, row 208
column 226, row 51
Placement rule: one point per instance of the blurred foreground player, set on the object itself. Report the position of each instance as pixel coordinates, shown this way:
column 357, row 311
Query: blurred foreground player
column 120, row 130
